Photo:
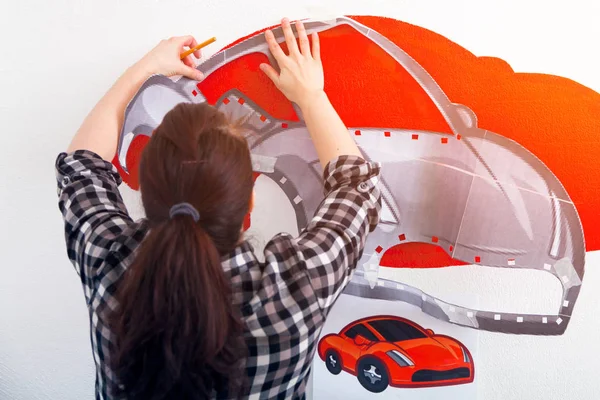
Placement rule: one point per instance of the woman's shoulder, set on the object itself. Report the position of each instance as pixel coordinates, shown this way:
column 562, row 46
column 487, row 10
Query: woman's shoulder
column 120, row 252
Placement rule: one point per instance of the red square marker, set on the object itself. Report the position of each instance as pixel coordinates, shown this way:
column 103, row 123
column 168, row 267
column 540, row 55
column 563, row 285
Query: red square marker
column 357, row 133
column 263, row 118
column 225, row 100
column 284, row 125
column 402, row 237
column 379, row 249
column 415, row 137
column 451, row 248
column 194, row 93
column 458, row 137
column 444, row 140
column 477, row 259
column 241, row 101
column 387, row 134
column 435, row 239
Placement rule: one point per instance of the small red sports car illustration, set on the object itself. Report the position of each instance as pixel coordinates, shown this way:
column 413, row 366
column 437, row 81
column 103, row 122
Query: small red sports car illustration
column 385, row 350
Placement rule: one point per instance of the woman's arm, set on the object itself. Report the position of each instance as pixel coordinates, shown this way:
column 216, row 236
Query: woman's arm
column 99, row 132
column 328, row 250
column 301, row 81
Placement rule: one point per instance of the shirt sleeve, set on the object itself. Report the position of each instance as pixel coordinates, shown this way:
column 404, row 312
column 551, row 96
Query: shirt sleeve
column 92, row 208
column 329, row 249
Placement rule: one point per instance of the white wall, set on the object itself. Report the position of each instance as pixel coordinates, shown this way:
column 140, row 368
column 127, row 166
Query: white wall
column 58, row 57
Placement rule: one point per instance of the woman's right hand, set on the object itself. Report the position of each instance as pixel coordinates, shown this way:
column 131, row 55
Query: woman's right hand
column 301, row 77
column 301, row 81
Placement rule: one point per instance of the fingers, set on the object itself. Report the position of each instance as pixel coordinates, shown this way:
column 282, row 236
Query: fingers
column 316, row 46
column 197, row 52
column 274, row 47
column 302, row 38
column 189, row 62
column 187, row 40
column 290, row 39
column 190, row 72
column 270, row 72
column 190, row 42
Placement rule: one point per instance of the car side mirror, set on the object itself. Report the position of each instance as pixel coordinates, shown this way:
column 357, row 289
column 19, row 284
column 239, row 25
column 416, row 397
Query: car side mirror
column 430, row 332
column 360, row 340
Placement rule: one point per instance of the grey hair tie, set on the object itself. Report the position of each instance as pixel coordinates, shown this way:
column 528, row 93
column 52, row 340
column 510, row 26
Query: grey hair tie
column 184, row 209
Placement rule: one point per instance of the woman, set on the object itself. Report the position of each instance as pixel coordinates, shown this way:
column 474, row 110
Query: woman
column 180, row 307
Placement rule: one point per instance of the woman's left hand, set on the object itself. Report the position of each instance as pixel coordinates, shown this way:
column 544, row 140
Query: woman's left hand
column 165, row 59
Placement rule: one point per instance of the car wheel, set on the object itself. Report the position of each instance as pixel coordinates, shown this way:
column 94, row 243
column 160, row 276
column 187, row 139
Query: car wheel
column 371, row 373
column 333, row 362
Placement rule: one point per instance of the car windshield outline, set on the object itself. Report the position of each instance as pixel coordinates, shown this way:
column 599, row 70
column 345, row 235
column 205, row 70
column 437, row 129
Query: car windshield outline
column 360, row 329
column 393, row 330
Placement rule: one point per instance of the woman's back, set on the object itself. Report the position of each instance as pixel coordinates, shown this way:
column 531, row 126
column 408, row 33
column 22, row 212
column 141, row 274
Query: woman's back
column 283, row 301
column 179, row 304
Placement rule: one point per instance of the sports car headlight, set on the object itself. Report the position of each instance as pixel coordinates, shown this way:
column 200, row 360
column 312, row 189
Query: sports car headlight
column 465, row 355
column 400, row 358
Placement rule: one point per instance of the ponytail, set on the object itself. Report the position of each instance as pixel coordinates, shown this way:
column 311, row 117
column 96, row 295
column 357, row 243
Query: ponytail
column 177, row 333
column 178, row 336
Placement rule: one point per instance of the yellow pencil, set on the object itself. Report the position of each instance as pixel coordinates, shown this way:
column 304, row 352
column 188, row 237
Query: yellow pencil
column 196, row 48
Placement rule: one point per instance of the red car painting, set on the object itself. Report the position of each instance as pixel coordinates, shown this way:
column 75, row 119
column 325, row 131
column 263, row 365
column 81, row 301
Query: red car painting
column 385, row 350
column 466, row 178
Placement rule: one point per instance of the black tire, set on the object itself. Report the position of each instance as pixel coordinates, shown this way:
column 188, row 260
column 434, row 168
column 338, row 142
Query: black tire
column 372, row 374
column 333, row 362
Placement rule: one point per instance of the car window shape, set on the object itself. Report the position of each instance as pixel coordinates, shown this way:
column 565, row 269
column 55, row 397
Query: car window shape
column 394, row 330
column 362, row 330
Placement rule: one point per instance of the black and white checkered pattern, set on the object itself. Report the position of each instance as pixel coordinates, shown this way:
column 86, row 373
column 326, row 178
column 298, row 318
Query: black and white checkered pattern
column 284, row 300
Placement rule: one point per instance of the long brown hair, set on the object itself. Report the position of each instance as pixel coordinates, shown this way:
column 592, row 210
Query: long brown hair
column 177, row 333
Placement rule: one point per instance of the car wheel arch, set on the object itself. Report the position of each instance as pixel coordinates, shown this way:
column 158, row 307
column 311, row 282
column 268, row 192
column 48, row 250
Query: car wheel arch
column 325, row 344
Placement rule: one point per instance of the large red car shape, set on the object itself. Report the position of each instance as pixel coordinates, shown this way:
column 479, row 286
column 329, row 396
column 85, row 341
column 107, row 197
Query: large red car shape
column 448, row 182
column 385, row 350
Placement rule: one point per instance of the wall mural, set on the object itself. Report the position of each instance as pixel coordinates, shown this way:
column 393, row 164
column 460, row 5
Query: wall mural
column 481, row 166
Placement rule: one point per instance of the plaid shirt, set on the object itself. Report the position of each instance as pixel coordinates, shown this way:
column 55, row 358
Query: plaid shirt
column 284, row 300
